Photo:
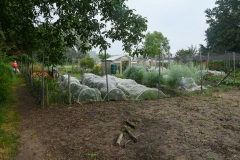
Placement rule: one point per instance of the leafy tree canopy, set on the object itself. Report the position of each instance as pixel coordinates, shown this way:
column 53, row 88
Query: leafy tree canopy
column 87, row 62
column 154, row 43
column 187, row 54
column 63, row 22
column 223, row 33
column 102, row 56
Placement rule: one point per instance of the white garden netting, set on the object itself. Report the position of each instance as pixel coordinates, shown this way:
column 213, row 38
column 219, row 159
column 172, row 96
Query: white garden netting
column 134, row 90
column 189, row 84
column 80, row 93
column 98, row 82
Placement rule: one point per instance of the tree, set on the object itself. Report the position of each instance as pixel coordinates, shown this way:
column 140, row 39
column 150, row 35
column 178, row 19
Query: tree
column 154, row 43
column 23, row 28
column 187, row 54
column 102, row 56
column 87, row 62
column 223, row 33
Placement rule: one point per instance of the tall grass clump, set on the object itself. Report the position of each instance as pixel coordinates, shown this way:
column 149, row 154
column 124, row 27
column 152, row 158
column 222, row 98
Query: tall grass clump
column 135, row 73
column 141, row 75
column 151, row 78
column 177, row 71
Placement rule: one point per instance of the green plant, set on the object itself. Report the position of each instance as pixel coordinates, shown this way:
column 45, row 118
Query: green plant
column 92, row 155
column 9, row 120
column 5, row 81
column 87, row 62
column 97, row 69
column 177, row 71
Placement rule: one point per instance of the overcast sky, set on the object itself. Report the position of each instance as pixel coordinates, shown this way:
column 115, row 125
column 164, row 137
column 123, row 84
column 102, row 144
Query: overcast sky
column 183, row 22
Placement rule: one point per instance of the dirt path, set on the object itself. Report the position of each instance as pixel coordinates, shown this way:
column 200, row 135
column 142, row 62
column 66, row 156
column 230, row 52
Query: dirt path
column 30, row 146
column 195, row 127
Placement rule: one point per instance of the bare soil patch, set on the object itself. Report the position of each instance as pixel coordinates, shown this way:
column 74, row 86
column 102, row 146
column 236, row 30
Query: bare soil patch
column 196, row 127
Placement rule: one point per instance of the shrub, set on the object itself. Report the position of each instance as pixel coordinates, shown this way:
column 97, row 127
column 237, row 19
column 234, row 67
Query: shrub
column 97, row 69
column 135, row 72
column 177, row 71
column 87, row 62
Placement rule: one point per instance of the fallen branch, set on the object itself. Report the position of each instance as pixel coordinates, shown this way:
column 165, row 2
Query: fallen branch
column 125, row 145
column 131, row 124
column 119, row 139
column 130, row 134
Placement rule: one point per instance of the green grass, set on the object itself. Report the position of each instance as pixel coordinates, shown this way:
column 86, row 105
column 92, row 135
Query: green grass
column 9, row 120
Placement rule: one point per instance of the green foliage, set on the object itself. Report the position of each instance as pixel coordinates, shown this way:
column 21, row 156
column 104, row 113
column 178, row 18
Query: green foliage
column 223, row 34
column 56, row 95
column 187, row 54
column 97, row 69
column 135, row 73
column 92, row 155
column 118, row 75
column 151, row 78
column 87, row 62
column 154, row 43
column 216, row 65
column 101, row 56
column 21, row 28
column 174, row 74
column 141, row 75
column 5, row 81
column 9, row 120
column 177, row 71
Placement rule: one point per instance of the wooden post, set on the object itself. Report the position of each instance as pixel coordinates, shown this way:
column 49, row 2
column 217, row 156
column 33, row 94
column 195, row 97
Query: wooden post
column 69, row 89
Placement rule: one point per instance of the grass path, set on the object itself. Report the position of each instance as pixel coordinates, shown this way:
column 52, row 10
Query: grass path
column 9, row 121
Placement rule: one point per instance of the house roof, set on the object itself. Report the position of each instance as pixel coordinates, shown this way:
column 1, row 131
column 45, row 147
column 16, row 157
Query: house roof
column 119, row 58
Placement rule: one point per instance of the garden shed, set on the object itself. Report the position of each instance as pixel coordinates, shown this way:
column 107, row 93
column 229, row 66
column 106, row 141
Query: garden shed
column 115, row 63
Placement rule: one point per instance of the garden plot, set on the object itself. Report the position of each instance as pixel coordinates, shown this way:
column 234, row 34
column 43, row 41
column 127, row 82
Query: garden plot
column 134, row 90
column 98, row 82
column 80, row 93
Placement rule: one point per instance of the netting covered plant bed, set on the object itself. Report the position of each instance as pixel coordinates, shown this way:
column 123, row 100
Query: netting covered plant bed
column 134, row 90
column 80, row 93
column 98, row 82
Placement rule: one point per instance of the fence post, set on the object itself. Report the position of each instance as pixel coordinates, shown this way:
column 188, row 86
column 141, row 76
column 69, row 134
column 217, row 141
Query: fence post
column 69, row 89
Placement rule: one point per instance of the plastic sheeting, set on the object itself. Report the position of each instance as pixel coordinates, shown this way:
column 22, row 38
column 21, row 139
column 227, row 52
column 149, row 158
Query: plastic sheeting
column 98, row 82
column 80, row 93
column 218, row 73
column 134, row 90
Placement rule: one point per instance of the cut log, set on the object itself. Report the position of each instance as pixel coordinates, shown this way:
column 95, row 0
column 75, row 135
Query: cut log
column 119, row 139
column 130, row 134
column 131, row 124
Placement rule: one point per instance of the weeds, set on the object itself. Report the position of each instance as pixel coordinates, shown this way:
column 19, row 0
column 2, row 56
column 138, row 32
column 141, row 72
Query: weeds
column 92, row 155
